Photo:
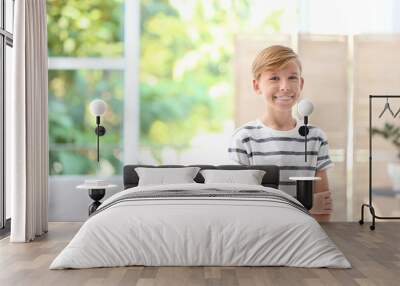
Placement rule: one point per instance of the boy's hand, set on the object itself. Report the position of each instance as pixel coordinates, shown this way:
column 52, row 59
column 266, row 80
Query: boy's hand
column 322, row 203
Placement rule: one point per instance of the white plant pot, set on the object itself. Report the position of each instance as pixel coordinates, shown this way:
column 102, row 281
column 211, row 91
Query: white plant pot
column 394, row 174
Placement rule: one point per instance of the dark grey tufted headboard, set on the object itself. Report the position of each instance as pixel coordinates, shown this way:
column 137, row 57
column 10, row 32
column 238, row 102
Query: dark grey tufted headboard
column 270, row 179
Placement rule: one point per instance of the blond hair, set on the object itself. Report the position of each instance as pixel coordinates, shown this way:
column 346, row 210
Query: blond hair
column 273, row 58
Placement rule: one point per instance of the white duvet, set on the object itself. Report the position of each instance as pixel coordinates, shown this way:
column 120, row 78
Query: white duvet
column 200, row 231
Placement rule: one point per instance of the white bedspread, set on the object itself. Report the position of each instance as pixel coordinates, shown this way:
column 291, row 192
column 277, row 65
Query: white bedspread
column 200, row 231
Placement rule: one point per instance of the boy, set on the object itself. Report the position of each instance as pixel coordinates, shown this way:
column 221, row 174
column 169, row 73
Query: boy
column 274, row 138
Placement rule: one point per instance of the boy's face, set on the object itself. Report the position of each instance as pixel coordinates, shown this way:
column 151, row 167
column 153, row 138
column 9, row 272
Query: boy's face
column 280, row 88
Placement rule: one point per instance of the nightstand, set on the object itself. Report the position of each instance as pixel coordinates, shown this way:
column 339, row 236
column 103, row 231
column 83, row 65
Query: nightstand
column 96, row 193
column 305, row 190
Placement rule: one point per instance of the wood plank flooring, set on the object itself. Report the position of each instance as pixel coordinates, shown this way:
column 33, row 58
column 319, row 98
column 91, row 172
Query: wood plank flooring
column 374, row 255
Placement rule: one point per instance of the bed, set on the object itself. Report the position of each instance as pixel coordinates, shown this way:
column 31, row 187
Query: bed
column 201, row 224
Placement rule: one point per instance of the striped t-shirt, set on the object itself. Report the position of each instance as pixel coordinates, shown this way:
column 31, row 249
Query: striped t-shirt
column 257, row 144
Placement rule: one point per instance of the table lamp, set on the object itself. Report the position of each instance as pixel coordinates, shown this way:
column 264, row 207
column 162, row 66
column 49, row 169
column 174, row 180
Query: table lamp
column 305, row 185
column 305, row 108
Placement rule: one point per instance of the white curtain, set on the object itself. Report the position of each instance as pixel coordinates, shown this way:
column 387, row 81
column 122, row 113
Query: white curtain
column 27, row 127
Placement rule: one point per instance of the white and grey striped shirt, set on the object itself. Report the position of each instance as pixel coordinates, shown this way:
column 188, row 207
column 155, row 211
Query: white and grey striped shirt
column 257, row 144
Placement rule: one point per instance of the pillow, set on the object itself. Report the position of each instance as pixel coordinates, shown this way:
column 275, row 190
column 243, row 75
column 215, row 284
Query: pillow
column 249, row 177
column 162, row 176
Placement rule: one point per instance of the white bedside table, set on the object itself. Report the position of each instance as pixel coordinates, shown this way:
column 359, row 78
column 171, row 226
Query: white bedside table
column 96, row 193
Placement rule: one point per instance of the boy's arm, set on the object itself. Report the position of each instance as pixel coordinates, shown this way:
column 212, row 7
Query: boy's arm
column 322, row 202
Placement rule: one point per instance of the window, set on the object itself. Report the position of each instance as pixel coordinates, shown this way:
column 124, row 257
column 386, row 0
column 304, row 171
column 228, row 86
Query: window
column 71, row 125
column 86, row 49
column 6, row 43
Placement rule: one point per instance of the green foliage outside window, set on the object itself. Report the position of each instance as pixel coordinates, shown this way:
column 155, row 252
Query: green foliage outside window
column 186, row 77
column 72, row 139
column 391, row 133
column 91, row 28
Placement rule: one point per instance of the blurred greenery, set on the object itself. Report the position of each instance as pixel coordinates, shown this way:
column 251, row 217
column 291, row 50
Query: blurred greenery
column 186, row 77
column 72, row 138
column 77, row 28
column 391, row 133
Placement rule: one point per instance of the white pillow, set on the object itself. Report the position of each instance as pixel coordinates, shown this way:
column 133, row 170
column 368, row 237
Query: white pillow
column 249, row 177
column 162, row 176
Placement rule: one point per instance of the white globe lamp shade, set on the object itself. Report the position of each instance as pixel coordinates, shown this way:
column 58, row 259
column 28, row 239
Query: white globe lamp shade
column 305, row 107
column 98, row 107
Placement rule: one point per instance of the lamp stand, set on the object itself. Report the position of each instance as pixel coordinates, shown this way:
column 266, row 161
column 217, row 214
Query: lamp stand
column 303, row 130
column 100, row 131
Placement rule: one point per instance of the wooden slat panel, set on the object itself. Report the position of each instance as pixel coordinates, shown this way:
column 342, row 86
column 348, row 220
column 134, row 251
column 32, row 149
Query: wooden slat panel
column 324, row 60
column 376, row 71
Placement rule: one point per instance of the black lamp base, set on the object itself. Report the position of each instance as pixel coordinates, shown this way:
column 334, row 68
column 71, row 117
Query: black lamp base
column 96, row 195
column 100, row 130
column 305, row 192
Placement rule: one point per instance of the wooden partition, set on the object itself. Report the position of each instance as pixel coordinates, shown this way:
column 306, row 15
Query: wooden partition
column 324, row 60
column 376, row 71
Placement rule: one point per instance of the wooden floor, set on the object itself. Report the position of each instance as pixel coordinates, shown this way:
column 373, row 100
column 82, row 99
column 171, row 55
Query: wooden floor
column 374, row 255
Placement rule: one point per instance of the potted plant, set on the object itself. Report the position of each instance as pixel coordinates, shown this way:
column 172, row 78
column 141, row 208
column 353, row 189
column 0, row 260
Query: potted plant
column 391, row 133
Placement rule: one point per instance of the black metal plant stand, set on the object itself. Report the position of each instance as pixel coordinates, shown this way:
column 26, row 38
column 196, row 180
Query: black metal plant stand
column 370, row 204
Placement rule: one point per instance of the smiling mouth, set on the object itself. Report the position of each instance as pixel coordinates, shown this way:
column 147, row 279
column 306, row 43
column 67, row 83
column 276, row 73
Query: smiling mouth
column 283, row 98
